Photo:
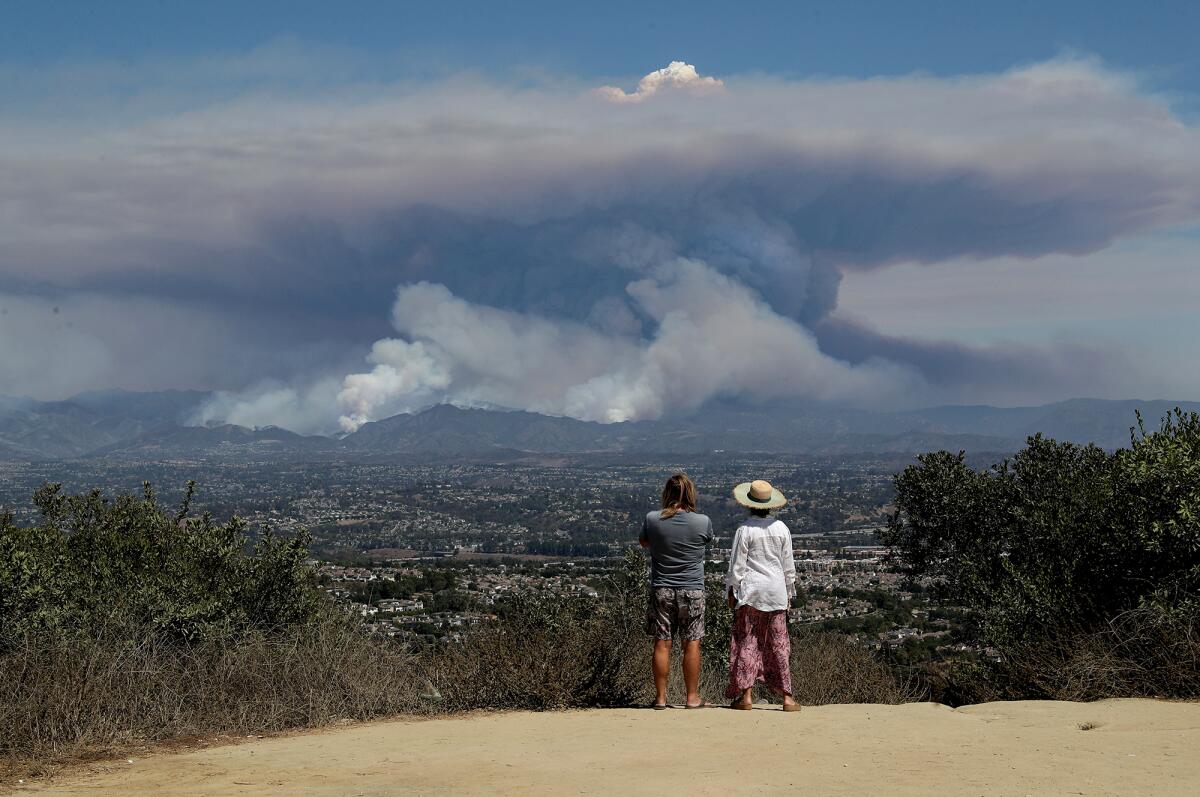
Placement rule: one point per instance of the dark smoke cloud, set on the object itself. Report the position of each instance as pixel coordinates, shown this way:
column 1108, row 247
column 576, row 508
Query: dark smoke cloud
column 629, row 226
column 1007, row 374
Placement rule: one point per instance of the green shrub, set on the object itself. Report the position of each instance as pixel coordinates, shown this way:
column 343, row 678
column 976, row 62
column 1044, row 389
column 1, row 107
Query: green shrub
column 1056, row 548
column 92, row 566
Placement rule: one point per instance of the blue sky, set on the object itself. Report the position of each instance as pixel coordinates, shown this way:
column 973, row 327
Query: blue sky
column 855, row 39
column 331, row 213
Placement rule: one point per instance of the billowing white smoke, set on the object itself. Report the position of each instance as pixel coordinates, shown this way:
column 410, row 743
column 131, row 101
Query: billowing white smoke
column 302, row 410
column 404, row 372
column 711, row 337
column 675, row 76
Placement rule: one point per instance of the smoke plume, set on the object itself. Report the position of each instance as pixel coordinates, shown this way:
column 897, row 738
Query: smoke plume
column 607, row 254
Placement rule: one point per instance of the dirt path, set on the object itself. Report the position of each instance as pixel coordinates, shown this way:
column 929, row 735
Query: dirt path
column 1136, row 747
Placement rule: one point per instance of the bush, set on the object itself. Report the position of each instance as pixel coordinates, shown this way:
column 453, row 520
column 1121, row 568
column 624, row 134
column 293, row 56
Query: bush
column 550, row 652
column 61, row 698
column 122, row 622
column 1022, row 543
column 95, row 567
column 1141, row 653
column 827, row 669
column 1057, row 550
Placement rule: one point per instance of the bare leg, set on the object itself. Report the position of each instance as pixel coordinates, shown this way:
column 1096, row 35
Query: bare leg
column 747, row 698
column 691, row 671
column 662, row 668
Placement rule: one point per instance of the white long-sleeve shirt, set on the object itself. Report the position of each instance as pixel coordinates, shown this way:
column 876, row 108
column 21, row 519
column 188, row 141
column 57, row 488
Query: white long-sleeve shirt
column 762, row 572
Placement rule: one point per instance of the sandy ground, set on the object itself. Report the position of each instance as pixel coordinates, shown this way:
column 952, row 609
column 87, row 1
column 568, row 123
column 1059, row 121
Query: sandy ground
column 1136, row 747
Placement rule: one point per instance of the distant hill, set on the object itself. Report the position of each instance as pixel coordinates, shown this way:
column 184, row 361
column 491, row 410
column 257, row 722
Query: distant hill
column 223, row 440
column 88, row 422
column 451, row 430
column 1105, row 423
column 155, row 425
column 808, row 428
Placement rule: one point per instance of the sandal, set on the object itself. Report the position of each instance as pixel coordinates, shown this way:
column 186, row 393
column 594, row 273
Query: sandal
column 702, row 704
column 738, row 705
column 792, row 707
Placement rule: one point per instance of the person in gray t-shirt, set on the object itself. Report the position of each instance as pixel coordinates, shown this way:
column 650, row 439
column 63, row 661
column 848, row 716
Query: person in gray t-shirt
column 678, row 537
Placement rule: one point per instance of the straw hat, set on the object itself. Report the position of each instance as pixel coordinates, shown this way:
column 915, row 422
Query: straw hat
column 758, row 495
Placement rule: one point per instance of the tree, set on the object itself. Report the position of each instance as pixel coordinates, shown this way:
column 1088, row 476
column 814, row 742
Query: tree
column 1158, row 499
column 97, row 567
column 1061, row 537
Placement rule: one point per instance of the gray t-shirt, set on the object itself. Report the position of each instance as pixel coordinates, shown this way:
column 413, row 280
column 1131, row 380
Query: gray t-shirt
column 677, row 546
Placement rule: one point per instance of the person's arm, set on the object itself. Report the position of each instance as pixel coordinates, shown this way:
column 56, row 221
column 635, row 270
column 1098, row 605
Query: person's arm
column 709, row 539
column 644, row 537
column 789, row 563
column 737, row 565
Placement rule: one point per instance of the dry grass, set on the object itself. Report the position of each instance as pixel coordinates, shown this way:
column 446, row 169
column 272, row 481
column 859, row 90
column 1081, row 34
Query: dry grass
column 826, row 669
column 66, row 700
column 63, row 700
column 550, row 654
column 545, row 654
column 1141, row 653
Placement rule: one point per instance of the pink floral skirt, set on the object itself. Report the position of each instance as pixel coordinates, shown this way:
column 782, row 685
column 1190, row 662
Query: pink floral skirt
column 759, row 651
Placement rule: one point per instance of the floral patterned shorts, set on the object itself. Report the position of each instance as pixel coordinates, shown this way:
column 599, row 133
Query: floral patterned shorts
column 673, row 611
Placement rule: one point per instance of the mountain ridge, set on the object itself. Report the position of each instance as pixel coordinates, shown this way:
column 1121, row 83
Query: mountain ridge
column 149, row 425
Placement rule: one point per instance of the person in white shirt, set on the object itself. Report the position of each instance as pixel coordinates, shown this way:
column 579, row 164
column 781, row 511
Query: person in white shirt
column 761, row 583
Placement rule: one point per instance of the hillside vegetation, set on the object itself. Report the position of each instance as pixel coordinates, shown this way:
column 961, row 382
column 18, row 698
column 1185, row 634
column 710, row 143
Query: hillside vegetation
column 1083, row 566
column 123, row 621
